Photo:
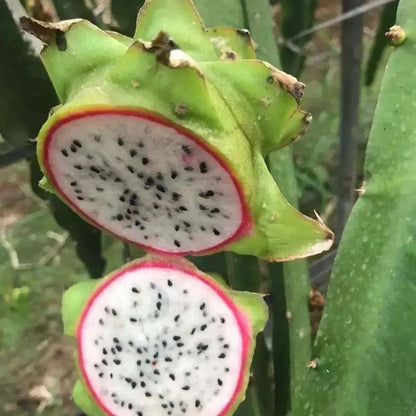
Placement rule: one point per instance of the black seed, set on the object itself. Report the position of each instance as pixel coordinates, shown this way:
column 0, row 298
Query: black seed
column 177, row 318
column 168, row 359
column 161, row 188
column 79, row 167
column 202, row 207
column 119, row 217
column 114, row 312
column 104, row 361
column 135, row 290
column 177, row 227
column 133, row 320
column 159, row 176
column 156, row 206
column 215, row 210
column 130, row 406
column 140, row 175
column 80, row 198
column 73, row 183
column 222, row 320
column 177, row 243
column 202, row 306
column 171, row 405
column 174, row 174
column 100, row 375
column 187, row 224
column 197, row 403
column 120, row 141
column 143, row 384
column 187, row 149
column 139, row 414
column 139, row 362
column 172, row 376
column 226, row 346
column 133, row 152
column 176, row 337
column 145, row 161
column 78, row 191
column 128, row 379
column 116, row 340
column 149, row 182
column 188, row 168
column 158, row 305
column 147, row 394
column 175, row 196
column 133, row 385
column 130, row 168
column 164, row 405
column 164, row 343
column 203, row 167
column 182, row 208
column 215, row 231
column 77, row 143
column 122, row 198
column 219, row 381
column 180, row 344
column 185, row 388
column 203, row 327
column 64, row 152
column 117, row 180
column 222, row 355
column 105, row 352
column 159, row 197
column 169, row 283
column 156, row 372
column 117, row 362
column 73, row 148
column 155, row 355
column 140, row 144
column 99, row 189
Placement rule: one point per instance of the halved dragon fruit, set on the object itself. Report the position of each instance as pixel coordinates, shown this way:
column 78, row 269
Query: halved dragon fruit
column 163, row 145
column 158, row 337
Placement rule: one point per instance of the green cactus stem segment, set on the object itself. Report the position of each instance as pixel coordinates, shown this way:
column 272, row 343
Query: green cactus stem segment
column 159, row 338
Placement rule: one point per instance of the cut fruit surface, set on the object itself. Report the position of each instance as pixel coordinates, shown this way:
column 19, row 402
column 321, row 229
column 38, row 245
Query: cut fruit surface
column 145, row 180
column 160, row 338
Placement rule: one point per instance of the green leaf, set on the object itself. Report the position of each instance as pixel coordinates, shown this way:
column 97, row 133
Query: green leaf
column 124, row 12
column 386, row 20
column 25, row 92
column 75, row 9
column 366, row 346
column 296, row 16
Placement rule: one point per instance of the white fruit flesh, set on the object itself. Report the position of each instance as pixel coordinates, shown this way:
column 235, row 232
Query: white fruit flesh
column 147, row 182
column 158, row 341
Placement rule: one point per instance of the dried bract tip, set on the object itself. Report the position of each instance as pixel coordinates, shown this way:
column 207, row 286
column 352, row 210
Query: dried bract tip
column 396, row 35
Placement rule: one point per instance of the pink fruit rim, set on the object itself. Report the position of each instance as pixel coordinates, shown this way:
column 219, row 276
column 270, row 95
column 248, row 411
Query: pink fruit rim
column 246, row 222
column 242, row 322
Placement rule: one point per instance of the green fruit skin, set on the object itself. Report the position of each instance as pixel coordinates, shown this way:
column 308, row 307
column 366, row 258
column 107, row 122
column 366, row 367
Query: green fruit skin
column 366, row 347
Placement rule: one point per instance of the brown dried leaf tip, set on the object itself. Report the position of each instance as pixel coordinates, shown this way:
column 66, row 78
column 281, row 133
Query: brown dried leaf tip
column 396, row 35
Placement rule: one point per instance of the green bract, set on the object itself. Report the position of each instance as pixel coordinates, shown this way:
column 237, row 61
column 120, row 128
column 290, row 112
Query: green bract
column 207, row 86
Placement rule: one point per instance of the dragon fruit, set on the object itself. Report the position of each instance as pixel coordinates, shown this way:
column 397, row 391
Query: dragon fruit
column 160, row 140
column 159, row 337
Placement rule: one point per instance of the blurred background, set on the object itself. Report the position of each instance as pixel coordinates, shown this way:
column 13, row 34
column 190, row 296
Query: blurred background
column 337, row 48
